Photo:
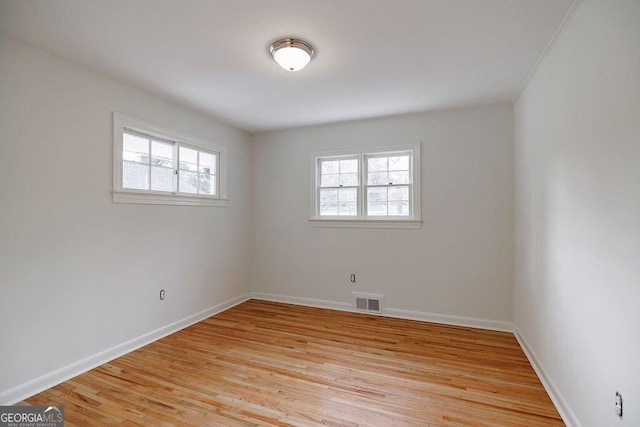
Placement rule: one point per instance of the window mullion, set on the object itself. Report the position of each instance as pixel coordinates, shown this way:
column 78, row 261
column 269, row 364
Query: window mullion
column 149, row 146
column 410, row 200
column 217, row 174
column 175, row 168
column 411, row 179
column 318, row 185
column 363, row 189
column 198, row 172
column 178, row 169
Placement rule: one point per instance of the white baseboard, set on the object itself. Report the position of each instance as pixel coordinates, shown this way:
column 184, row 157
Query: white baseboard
column 494, row 325
column 51, row 379
column 561, row 405
column 446, row 319
column 308, row 302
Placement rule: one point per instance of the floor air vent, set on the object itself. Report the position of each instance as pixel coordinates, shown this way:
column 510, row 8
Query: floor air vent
column 371, row 303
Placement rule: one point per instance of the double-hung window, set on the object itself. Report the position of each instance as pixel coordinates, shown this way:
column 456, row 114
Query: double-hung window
column 367, row 188
column 159, row 166
column 388, row 185
column 338, row 190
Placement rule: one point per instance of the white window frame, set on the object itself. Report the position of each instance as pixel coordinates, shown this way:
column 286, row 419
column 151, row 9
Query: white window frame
column 413, row 220
column 122, row 122
column 357, row 187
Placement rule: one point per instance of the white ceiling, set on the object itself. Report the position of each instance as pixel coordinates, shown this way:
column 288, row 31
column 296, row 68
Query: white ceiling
column 374, row 57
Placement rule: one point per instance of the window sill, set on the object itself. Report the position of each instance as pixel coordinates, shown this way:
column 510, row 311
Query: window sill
column 165, row 199
column 368, row 223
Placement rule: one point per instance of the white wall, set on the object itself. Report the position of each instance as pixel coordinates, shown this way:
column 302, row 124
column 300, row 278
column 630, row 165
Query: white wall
column 577, row 132
column 460, row 263
column 79, row 274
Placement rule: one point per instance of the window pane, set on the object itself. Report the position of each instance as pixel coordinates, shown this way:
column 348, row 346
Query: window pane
column 188, row 159
column 398, row 193
column 348, row 194
column 161, row 149
column 161, row 178
column 329, row 196
column 207, row 184
column 347, row 209
column 132, row 156
column 377, row 164
column 377, row 208
column 349, row 166
column 161, row 154
column 399, row 208
column 329, row 166
column 399, row 177
column 332, row 180
column 399, row 163
column 207, row 163
column 349, row 179
column 378, row 194
column 378, row 178
column 135, row 144
column 328, row 209
column 188, row 182
column 159, row 161
column 135, row 175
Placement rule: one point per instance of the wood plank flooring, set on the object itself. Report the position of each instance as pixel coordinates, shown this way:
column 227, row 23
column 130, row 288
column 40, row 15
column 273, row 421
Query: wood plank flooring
column 264, row 363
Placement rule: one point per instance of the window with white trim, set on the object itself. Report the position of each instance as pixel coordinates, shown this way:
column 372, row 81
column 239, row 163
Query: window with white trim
column 374, row 187
column 338, row 190
column 159, row 166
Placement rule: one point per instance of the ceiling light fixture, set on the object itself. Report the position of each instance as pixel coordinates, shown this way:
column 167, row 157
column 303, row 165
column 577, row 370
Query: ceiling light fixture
column 291, row 54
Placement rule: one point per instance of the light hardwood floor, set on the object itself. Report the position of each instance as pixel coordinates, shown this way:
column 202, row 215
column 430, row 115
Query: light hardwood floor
column 264, row 363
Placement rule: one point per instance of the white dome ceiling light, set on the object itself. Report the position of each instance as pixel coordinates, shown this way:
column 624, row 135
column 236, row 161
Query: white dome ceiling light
column 291, row 54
